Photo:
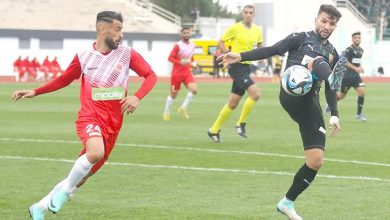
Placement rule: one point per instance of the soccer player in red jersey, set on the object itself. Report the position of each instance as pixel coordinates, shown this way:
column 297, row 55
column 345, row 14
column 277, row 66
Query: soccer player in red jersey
column 182, row 58
column 104, row 71
column 55, row 67
column 23, row 69
column 45, row 69
column 17, row 68
column 33, row 67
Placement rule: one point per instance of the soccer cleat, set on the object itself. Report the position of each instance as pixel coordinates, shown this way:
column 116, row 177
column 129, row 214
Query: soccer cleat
column 58, row 201
column 361, row 117
column 240, row 130
column 36, row 212
column 213, row 136
column 286, row 207
column 166, row 117
column 327, row 110
column 337, row 74
column 183, row 112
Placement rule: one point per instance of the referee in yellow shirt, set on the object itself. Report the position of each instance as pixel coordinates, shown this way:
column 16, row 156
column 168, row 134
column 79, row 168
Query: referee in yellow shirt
column 244, row 36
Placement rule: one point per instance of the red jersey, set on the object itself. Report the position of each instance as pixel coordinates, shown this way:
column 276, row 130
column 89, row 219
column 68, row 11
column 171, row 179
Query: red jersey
column 17, row 63
column 180, row 51
column 34, row 64
column 46, row 63
column 103, row 71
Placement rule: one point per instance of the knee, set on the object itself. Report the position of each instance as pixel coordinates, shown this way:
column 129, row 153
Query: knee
column 362, row 92
column 254, row 92
column 194, row 91
column 340, row 96
column 255, row 96
column 315, row 163
column 95, row 156
column 232, row 105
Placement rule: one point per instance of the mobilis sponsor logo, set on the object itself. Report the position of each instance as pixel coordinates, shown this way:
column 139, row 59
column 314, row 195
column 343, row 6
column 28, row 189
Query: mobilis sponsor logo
column 108, row 94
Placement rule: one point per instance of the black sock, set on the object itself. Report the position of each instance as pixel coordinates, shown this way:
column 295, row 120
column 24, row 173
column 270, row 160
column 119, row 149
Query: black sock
column 360, row 103
column 302, row 180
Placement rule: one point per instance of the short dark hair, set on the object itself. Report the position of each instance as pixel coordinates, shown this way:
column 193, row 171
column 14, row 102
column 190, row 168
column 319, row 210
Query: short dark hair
column 356, row 33
column 248, row 6
column 331, row 10
column 184, row 28
column 109, row 16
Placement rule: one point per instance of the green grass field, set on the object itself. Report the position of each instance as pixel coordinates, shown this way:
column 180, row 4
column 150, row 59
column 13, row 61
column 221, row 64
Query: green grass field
column 171, row 170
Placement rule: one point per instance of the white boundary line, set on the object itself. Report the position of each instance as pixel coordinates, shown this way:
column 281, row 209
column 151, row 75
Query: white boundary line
column 200, row 149
column 264, row 172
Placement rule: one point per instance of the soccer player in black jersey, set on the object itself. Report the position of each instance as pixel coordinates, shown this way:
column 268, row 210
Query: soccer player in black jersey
column 313, row 51
column 352, row 77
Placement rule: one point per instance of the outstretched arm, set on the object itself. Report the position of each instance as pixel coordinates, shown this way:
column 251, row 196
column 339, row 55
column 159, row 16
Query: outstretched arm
column 256, row 54
column 291, row 42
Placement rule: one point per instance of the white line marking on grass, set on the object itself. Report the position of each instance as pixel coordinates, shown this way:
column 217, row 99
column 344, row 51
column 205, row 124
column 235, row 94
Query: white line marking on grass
column 176, row 167
column 199, row 149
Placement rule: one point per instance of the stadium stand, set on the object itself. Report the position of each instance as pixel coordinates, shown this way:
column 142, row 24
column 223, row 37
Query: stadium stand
column 73, row 15
column 373, row 9
column 376, row 12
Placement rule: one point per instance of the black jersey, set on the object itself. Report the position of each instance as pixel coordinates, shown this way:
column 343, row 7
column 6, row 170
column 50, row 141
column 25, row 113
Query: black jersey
column 303, row 47
column 354, row 56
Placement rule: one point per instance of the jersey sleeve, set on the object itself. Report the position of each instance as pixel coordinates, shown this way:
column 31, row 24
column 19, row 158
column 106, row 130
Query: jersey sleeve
column 172, row 56
column 331, row 99
column 331, row 96
column 142, row 69
column 72, row 73
column 348, row 54
column 229, row 34
column 291, row 42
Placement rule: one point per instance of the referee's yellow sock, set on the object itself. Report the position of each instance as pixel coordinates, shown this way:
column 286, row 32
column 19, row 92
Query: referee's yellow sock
column 246, row 109
column 224, row 114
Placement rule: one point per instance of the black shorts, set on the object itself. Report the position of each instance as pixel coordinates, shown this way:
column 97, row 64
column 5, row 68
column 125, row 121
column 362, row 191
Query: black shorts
column 351, row 80
column 240, row 74
column 306, row 111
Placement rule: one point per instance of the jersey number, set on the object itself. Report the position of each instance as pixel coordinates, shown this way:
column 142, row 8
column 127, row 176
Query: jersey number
column 93, row 130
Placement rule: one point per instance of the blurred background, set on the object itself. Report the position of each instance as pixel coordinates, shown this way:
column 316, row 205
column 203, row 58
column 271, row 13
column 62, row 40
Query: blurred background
column 57, row 30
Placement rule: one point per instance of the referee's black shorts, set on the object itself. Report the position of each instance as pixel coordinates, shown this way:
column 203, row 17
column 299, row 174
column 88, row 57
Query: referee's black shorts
column 240, row 73
column 306, row 111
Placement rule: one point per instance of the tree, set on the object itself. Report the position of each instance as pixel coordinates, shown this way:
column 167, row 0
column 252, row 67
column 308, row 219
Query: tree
column 183, row 8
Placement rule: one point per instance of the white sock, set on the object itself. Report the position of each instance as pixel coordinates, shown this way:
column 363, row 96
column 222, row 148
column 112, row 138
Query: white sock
column 168, row 104
column 188, row 99
column 17, row 76
column 44, row 203
column 80, row 169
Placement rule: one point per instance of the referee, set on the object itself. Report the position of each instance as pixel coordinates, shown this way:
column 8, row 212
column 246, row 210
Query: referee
column 242, row 36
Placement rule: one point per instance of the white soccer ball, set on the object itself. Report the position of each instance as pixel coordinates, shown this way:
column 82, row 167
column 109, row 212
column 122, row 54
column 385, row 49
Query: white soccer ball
column 297, row 80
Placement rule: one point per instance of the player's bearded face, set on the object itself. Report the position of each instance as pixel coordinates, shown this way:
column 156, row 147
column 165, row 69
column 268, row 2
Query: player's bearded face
column 111, row 43
column 325, row 25
column 114, row 35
